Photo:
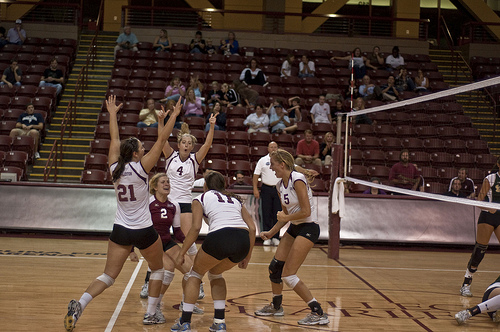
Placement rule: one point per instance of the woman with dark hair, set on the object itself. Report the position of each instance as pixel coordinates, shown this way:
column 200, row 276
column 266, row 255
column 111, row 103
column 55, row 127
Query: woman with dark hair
column 299, row 209
column 230, row 45
column 229, row 242
column 253, row 74
column 129, row 167
column 218, row 112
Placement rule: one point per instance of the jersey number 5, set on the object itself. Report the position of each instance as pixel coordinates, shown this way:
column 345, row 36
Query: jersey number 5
column 123, row 196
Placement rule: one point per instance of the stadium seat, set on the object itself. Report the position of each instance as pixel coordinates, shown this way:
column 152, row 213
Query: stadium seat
column 259, row 139
column 257, row 152
column 235, row 124
column 238, row 152
column 148, row 134
column 356, row 157
column 374, row 158
column 239, row 165
column 466, row 160
column 455, row 146
column 359, row 171
column 96, row 161
column 237, row 137
column 6, row 143
column 219, row 137
column 441, row 159
column 485, row 161
column 477, row 147
column 24, row 143
column 448, row 132
column 99, row 146
column 217, row 151
column 434, row 145
column 16, row 170
column 412, row 144
column 380, row 171
column 93, row 176
column 195, row 122
column 435, row 188
column 6, row 127
column 219, row 165
column 420, row 158
column 430, row 174
column 17, row 159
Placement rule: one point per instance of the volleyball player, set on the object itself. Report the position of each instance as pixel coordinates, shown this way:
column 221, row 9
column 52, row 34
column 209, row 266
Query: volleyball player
column 297, row 208
column 490, row 305
column 487, row 223
column 129, row 167
column 229, row 242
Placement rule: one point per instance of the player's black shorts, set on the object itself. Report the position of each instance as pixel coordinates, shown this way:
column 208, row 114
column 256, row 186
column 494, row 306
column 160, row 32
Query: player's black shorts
column 185, row 207
column 309, row 230
column 141, row 238
column 232, row 243
column 492, row 219
column 169, row 244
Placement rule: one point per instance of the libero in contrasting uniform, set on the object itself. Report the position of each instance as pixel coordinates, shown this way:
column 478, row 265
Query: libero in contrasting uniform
column 133, row 225
column 490, row 305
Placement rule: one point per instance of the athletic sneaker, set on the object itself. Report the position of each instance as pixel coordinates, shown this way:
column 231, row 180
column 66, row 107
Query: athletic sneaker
column 267, row 242
column 201, row 295
column 196, row 310
column 145, row 290
column 152, row 319
column 269, row 310
column 275, row 241
column 159, row 314
column 495, row 317
column 37, row 155
column 219, row 327
column 465, row 291
column 186, row 327
column 74, row 312
column 462, row 316
column 314, row 319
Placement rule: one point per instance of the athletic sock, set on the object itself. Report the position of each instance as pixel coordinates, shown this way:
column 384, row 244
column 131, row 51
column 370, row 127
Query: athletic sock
column 277, row 300
column 152, row 302
column 85, row 299
column 187, row 312
column 147, row 276
column 490, row 305
column 219, row 309
column 467, row 280
column 475, row 310
column 315, row 307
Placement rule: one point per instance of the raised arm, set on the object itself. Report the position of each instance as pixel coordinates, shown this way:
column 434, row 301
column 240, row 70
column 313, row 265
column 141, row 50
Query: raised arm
column 167, row 149
column 114, row 147
column 201, row 154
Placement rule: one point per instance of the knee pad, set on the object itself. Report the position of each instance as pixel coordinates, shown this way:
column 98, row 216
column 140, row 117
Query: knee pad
column 477, row 256
column 157, row 274
column 193, row 250
column 214, row 276
column 194, row 274
column 291, row 281
column 275, row 270
column 106, row 279
column 168, row 277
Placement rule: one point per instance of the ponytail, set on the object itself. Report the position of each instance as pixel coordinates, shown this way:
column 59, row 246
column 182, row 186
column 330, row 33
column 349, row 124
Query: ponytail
column 127, row 149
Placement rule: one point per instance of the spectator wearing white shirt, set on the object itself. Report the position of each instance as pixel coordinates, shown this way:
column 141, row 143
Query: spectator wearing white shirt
column 306, row 67
column 395, row 60
column 257, row 121
column 320, row 112
column 286, row 67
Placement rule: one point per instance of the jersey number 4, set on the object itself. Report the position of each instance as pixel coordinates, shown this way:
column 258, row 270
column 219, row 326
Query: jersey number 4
column 125, row 195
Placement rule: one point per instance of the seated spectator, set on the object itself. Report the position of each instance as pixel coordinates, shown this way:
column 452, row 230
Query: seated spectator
column 257, row 121
column 369, row 91
column 192, row 104
column 306, row 67
column 215, row 94
column 320, row 112
column 196, row 85
column 240, row 181
column 307, row 150
column 197, row 44
column 295, row 112
column 389, row 90
column 421, row 82
column 466, row 184
column 229, row 96
column 253, row 74
column 16, row 35
column 454, row 190
column 359, row 62
column 174, row 90
column 220, row 121
column 325, row 148
column 359, row 105
column 169, row 107
column 148, row 116
column 373, row 190
column 375, row 60
column 248, row 97
column 53, row 77
column 162, row 42
column 278, row 120
column 394, row 60
column 29, row 123
column 286, row 67
column 339, row 108
column 12, row 75
column 199, row 183
column 404, row 174
column 230, row 45
column 210, row 47
column 404, row 82
column 126, row 41
column 3, row 37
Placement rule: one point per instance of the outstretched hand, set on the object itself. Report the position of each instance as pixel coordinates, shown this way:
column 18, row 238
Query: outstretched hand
column 162, row 114
column 212, row 119
column 111, row 105
column 177, row 108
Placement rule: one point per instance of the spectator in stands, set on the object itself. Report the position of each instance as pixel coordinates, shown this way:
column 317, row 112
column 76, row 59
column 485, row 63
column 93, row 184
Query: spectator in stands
column 53, row 77
column 196, row 85
column 215, row 94
column 467, row 185
column 29, row 123
column 240, row 181
column 192, row 104
column 403, row 81
column 308, row 150
column 454, row 190
column 286, row 67
column 306, row 67
column 253, row 74
column 220, row 117
column 16, row 35
column 3, row 37
column 197, row 44
column 394, row 60
column 325, row 148
column 199, row 183
column 12, row 75
column 230, row 45
column 295, row 112
column 257, row 121
column 359, row 105
column 229, row 96
column 373, row 190
column 320, row 112
column 162, row 42
column 210, row 47
column 174, row 90
column 278, row 120
column 169, row 106
column 339, row 108
column 375, row 60
column 148, row 116
column 248, row 97
column 359, row 62
column 404, row 174
column 369, row 91
column 421, row 82
column 389, row 90
column 126, row 41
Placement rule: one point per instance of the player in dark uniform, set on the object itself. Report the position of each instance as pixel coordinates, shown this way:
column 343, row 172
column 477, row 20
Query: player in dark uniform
column 490, row 305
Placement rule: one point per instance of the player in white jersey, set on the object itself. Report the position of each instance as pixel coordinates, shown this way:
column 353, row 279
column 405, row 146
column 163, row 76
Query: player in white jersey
column 229, row 242
column 490, row 304
column 298, row 209
column 133, row 226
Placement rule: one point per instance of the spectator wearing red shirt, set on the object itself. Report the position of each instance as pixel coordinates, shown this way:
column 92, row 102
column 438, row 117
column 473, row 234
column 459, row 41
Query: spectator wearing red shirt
column 404, row 174
column 308, row 150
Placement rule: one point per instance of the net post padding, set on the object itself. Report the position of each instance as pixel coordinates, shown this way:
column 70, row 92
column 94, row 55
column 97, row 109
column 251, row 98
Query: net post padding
column 334, row 219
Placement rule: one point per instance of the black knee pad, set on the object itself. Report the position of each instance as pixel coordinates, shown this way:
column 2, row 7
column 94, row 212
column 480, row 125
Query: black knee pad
column 275, row 270
column 477, row 256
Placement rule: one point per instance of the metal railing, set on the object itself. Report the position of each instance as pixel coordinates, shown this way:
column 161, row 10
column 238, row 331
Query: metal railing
column 477, row 32
column 50, row 12
column 92, row 50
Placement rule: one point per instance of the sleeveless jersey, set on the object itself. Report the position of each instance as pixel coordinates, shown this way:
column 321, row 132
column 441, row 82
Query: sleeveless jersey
column 182, row 175
column 132, row 196
column 164, row 215
column 221, row 211
column 494, row 192
column 289, row 197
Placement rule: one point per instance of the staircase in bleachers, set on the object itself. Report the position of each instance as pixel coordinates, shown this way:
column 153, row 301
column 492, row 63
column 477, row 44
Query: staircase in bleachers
column 76, row 148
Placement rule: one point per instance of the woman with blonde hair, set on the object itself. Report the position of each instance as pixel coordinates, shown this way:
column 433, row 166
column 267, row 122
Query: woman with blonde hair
column 192, row 104
column 162, row 42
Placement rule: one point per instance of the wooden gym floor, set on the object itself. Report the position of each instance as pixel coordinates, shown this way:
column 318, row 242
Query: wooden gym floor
column 366, row 290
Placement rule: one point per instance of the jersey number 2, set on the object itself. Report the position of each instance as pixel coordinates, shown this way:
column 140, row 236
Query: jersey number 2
column 123, row 196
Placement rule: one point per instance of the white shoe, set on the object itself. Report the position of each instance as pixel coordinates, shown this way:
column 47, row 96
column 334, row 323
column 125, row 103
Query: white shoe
column 267, row 242
column 145, row 290
column 462, row 316
column 275, row 241
column 496, row 317
column 37, row 155
column 196, row 310
column 201, row 294
column 465, row 291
